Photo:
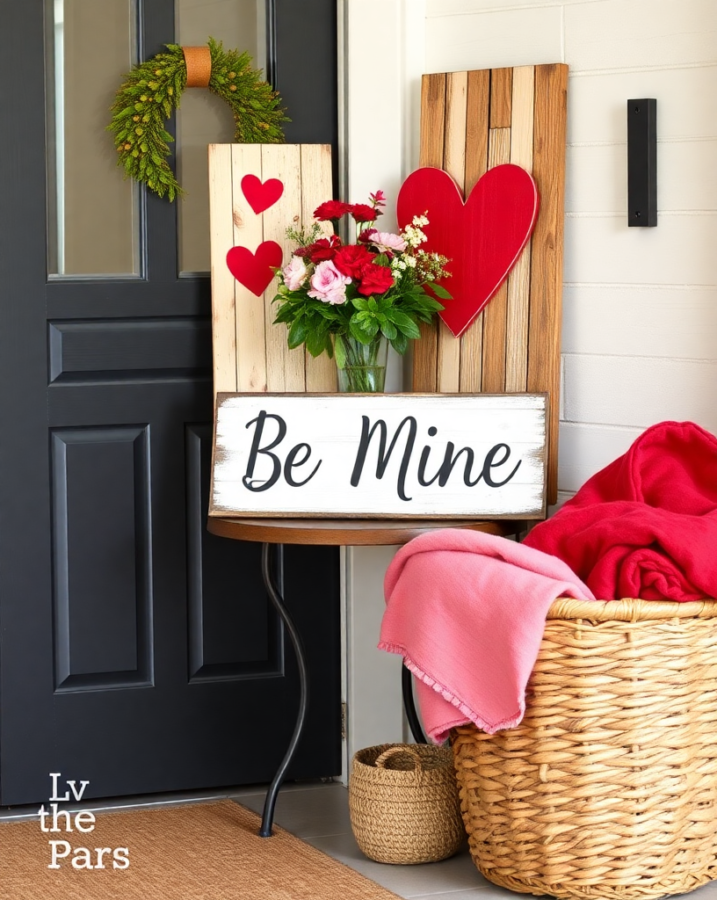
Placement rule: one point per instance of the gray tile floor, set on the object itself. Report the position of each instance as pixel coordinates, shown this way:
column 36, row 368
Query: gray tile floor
column 318, row 814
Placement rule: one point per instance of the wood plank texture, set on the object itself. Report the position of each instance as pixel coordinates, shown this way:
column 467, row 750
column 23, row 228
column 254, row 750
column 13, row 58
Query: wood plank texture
column 478, row 106
column 501, row 88
column 448, row 360
column 285, row 369
column 433, row 118
column 546, row 274
column 495, row 313
column 222, row 238
column 454, row 146
column 250, row 353
column 521, row 154
column 477, row 127
column 454, row 162
column 249, row 232
column 519, row 116
column 433, row 112
column 425, row 359
column 521, row 124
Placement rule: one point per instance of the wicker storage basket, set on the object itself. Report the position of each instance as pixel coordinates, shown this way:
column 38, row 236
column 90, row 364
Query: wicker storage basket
column 608, row 788
column 403, row 801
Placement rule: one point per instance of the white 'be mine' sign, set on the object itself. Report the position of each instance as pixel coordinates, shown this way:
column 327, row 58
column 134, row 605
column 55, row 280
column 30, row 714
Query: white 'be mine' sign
column 385, row 455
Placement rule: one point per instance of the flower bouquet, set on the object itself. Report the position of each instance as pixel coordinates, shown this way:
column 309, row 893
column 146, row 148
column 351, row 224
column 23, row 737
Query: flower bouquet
column 352, row 300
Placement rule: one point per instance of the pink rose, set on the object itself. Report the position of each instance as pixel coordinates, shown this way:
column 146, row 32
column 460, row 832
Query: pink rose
column 295, row 273
column 328, row 283
column 385, row 242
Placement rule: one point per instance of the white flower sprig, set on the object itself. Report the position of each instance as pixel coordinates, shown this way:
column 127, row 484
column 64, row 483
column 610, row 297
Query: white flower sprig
column 412, row 234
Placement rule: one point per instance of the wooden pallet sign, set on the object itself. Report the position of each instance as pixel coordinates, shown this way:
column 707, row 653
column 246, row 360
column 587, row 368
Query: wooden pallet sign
column 256, row 191
column 379, row 455
column 472, row 122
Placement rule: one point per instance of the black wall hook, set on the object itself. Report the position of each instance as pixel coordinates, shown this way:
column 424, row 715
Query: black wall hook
column 642, row 163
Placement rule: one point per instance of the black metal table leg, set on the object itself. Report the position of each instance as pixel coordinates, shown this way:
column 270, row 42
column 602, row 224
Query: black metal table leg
column 278, row 601
column 409, row 706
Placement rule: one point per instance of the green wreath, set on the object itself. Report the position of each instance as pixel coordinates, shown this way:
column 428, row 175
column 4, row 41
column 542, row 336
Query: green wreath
column 152, row 91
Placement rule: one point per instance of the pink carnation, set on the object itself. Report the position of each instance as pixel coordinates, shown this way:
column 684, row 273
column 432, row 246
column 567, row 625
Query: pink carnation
column 328, row 283
column 386, row 242
column 295, row 273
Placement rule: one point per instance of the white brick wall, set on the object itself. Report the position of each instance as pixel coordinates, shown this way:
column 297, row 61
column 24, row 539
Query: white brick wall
column 640, row 305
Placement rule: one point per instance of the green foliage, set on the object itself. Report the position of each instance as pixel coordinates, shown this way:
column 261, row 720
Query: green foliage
column 151, row 93
column 395, row 315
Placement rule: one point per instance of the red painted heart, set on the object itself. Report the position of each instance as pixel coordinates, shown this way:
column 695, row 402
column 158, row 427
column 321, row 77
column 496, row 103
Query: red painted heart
column 255, row 270
column 482, row 237
column 261, row 195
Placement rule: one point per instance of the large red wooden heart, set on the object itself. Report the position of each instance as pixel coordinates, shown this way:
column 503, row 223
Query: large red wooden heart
column 261, row 195
column 255, row 270
column 482, row 237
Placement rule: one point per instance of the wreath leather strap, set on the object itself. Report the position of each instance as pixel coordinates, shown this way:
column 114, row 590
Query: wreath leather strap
column 199, row 66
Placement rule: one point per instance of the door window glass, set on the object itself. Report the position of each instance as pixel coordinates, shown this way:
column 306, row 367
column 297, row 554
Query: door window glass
column 94, row 210
column 204, row 118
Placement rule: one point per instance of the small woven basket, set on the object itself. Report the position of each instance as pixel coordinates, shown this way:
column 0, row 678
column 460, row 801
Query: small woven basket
column 403, row 801
column 608, row 788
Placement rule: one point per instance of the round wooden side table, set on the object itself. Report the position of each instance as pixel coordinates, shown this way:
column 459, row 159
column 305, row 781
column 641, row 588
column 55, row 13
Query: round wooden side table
column 341, row 533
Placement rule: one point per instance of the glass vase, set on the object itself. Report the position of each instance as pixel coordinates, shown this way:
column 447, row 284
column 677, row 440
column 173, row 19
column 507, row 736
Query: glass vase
column 365, row 368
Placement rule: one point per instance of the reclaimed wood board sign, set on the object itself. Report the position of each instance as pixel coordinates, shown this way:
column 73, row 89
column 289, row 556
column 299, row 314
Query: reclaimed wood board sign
column 472, row 122
column 388, row 455
column 255, row 192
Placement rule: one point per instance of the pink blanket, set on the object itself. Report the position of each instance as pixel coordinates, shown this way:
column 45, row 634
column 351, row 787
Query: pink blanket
column 467, row 611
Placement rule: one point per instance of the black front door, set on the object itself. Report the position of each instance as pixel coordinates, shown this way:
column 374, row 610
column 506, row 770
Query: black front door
column 136, row 651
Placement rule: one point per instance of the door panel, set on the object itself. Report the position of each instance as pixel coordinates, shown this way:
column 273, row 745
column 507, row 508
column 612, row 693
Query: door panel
column 102, row 557
column 226, row 641
column 112, row 350
column 136, row 650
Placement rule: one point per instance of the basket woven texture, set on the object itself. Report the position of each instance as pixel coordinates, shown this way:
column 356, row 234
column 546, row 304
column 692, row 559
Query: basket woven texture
column 608, row 788
column 403, row 801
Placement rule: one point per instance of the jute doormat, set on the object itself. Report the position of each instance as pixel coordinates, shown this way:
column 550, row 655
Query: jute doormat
column 200, row 852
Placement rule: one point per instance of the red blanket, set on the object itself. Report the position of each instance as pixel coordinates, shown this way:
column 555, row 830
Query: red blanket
column 646, row 525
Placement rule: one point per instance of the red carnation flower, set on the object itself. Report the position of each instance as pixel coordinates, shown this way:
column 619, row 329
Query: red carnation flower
column 351, row 260
column 324, row 248
column 332, row 209
column 366, row 234
column 374, row 279
column 362, row 212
